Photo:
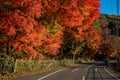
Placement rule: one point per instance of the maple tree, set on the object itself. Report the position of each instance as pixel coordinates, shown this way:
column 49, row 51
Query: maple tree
column 84, row 31
column 18, row 23
column 39, row 26
column 53, row 39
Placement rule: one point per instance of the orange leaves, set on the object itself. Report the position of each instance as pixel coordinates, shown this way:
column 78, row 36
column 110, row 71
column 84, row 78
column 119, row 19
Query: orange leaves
column 30, row 51
column 69, row 16
column 11, row 31
column 112, row 54
column 108, row 49
column 24, row 23
column 33, row 8
column 14, row 43
column 21, row 26
column 93, row 39
column 52, row 43
column 79, row 38
column 90, row 10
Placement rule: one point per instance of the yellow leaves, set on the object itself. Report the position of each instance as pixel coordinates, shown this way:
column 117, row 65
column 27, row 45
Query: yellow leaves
column 86, row 13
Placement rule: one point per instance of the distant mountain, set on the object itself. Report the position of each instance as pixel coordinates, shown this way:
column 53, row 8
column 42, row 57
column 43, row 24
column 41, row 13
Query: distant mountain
column 112, row 18
column 110, row 21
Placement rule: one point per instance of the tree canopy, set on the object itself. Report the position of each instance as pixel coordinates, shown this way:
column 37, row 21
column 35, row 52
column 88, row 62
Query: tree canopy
column 39, row 27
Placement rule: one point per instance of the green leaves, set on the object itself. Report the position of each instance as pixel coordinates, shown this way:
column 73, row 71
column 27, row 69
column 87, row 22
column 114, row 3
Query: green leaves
column 78, row 47
column 52, row 28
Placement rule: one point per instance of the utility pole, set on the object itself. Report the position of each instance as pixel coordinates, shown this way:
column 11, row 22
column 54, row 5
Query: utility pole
column 117, row 34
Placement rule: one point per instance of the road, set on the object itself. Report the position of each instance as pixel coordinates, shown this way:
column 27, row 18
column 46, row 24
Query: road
column 91, row 71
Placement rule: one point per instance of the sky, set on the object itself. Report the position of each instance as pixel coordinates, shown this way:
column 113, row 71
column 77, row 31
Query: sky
column 109, row 6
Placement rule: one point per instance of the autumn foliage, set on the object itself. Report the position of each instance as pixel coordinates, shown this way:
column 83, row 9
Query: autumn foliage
column 109, row 44
column 37, row 27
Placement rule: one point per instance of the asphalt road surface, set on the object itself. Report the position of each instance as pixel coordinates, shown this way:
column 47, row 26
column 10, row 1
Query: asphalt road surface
column 91, row 71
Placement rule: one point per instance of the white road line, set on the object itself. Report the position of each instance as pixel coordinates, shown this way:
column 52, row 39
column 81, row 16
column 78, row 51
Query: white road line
column 51, row 74
column 88, row 67
column 75, row 69
column 96, row 69
column 111, row 74
column 83, row 78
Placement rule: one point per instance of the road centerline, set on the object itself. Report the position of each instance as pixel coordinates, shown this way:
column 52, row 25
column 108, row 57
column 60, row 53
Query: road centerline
column 83, row 78
column 88, row 67
column 96, row 69
column 75, row 69
column 51, row 74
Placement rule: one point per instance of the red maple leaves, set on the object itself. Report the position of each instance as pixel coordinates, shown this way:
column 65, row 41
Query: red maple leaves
column 23, row 22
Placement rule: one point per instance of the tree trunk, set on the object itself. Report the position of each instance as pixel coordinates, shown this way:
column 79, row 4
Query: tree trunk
column 14, row 66
column 73, row 58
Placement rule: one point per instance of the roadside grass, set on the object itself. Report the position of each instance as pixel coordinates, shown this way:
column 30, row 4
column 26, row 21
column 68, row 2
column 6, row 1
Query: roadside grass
column 29, row 67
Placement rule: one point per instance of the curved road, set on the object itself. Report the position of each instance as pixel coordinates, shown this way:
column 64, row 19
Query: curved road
column 91, row 71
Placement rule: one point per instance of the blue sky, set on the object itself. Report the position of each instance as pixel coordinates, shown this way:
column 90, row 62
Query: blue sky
column 109, row 6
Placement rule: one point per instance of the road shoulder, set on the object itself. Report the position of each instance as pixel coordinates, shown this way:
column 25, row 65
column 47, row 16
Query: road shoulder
column 112, row 73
